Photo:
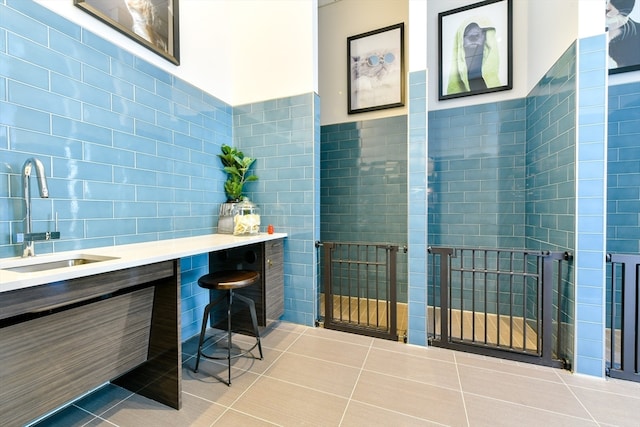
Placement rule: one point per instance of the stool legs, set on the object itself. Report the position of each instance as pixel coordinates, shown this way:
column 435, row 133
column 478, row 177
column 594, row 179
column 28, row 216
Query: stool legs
column 205, row 320
column 254, row 319
column 229, row 343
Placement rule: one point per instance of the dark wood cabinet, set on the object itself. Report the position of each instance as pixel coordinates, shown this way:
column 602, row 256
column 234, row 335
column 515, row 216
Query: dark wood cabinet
column 268, row 294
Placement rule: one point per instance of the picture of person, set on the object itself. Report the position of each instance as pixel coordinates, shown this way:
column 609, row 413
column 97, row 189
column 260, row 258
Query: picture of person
column 624, row 34
column 474, row 47
column 475, row 61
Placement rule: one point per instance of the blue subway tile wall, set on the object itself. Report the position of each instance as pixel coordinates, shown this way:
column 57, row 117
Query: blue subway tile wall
column 551, row 180
column 591, row 205
column 623, row 181
column 419, row 188
column 129, row 150
column 364, row 187
column 623, row 169
column 283, row 135
column 477, row 188
column 550, row 158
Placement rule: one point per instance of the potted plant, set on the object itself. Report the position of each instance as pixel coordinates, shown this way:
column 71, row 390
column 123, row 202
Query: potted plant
column 236, row 165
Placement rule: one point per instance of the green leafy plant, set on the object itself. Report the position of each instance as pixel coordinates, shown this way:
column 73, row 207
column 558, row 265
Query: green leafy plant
column 236, row 165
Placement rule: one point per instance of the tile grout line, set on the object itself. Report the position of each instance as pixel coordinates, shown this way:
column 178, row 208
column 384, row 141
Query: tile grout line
column 577, row 398
column 355, row 385
column 464, row 403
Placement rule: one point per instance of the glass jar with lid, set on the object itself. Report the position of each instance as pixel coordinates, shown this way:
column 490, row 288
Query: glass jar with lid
column 246, row 218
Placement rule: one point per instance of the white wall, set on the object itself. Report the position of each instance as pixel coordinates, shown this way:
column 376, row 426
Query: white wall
column 240, row 51
column 337, row 21
column 551, row 33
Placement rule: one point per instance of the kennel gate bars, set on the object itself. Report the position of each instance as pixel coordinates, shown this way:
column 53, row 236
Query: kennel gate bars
column 360, row 281
column 497, row 302
column 623, row 339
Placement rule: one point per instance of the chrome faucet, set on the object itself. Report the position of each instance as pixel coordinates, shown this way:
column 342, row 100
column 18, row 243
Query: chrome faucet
column 28, row 237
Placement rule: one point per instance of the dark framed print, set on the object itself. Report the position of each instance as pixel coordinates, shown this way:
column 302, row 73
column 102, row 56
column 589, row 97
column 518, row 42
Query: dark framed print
column 375, row 69
column 623, row 34
column 475, row 49
column 152, row 23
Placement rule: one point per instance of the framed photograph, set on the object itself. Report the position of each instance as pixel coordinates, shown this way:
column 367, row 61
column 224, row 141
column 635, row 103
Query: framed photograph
column 475, row 49
column 375, row 69
column 623, row 32
column 152, row 23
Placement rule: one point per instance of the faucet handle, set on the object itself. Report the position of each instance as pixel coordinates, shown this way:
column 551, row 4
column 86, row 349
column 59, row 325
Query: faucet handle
column 34, row 237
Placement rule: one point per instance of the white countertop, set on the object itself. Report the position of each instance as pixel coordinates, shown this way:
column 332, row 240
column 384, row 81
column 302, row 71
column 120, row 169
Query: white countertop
column 125, row 256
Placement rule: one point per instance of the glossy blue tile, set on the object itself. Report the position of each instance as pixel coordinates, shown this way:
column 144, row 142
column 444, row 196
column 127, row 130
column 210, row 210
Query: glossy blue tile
column 71, row 88
column 78, row 130
column 25, row 118
column 41, row 55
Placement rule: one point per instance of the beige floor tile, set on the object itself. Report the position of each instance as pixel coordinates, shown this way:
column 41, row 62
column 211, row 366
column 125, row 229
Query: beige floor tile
column 434, row 372
column 496, row 413
column 290, row 405
column 278, row 339
column 521, row 390
column 139, row 411
column 358, row 415
column 329, row 349
column 233, row 418
column 610, row 408
column 415, row 350
column 413, row 398
column 339, row 336
column 206, row 386
column 316, row 374
column 211, row 370
column 622, row 387
column 508, row 366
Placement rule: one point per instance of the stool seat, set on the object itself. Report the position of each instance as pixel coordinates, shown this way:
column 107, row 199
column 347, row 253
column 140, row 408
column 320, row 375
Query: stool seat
column 228, row 281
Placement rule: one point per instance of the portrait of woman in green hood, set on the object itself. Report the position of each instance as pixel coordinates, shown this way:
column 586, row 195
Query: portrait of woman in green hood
column 475, row 44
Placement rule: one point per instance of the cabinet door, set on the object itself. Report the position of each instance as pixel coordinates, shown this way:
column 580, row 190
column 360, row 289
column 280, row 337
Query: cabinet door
column 274, row 279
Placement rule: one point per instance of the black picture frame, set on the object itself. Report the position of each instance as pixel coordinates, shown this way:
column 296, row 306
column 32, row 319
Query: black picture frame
column 130, row 17
column 375, row 69
column 464, row 69
column 623, row 43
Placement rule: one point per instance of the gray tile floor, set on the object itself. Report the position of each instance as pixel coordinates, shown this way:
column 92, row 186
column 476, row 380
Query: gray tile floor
column 318, row 377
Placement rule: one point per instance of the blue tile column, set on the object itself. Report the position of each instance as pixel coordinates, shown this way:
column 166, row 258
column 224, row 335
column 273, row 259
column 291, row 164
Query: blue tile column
column 590, row 206
column 284, row 136
column 417, row 208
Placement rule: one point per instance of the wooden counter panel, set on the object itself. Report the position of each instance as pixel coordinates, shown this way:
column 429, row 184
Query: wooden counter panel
column 52, row 359
column 46, row 297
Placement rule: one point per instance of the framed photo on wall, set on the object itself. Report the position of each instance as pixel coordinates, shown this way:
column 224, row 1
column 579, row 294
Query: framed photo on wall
column 375, row 69
column 623, row 34
column 475, row 49
column 152, row 23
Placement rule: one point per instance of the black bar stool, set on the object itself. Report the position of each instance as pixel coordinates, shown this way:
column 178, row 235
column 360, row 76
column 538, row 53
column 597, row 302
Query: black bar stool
column 228, row 280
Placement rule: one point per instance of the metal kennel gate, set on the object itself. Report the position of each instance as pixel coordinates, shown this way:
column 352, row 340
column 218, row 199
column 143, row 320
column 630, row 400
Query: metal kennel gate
column 497, row 302
column 359, row 281
column 623, row 323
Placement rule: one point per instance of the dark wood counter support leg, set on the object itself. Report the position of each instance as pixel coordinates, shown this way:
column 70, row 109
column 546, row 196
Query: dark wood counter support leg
column 160, row 377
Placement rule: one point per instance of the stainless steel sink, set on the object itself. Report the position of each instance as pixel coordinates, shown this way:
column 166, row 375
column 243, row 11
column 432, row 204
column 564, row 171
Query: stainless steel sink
column 34, row 265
